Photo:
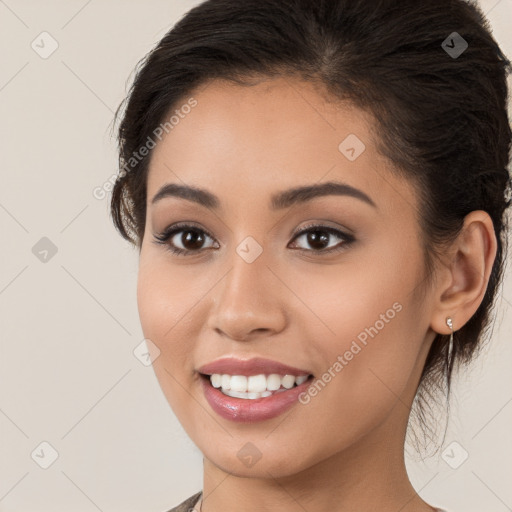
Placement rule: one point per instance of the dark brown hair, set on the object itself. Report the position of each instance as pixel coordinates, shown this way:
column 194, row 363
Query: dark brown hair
column 441, row 118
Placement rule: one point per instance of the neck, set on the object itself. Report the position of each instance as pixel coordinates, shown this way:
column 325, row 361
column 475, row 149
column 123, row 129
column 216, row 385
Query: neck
column 369, row 475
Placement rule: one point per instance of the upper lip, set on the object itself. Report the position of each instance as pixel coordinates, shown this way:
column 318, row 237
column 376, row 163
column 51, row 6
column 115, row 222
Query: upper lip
column 248, row 367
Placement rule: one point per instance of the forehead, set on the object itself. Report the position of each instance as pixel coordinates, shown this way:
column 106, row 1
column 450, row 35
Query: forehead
column 250, row 140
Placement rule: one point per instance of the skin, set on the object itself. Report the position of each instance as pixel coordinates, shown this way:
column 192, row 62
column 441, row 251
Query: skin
column 344, row 450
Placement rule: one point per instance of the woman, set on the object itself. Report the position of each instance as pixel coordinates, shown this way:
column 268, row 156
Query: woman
column 318, row 191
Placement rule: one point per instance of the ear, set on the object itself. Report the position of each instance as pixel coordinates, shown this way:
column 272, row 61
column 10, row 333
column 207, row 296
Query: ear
column 464, row 276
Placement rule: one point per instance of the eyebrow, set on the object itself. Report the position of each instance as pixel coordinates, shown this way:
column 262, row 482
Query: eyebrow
column 278, row 201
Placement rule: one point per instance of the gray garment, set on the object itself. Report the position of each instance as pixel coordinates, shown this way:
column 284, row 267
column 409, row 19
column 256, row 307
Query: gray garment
column 188, row 504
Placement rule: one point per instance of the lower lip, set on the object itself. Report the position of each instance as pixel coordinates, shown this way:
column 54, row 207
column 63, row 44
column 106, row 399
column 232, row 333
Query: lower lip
column 250, row 410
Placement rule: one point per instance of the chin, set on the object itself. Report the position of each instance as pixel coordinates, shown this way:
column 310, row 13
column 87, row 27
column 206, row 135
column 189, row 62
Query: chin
column 244, row 458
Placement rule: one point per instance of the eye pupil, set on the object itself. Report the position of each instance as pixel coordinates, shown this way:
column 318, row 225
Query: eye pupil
column 318, row 241
column 195, row 239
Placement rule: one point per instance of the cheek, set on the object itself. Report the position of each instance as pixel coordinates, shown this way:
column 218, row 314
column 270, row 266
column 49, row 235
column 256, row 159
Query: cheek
column 367, row 371
column 364, row 323
column 163, row 292
column 164, row 305
column 347, row 300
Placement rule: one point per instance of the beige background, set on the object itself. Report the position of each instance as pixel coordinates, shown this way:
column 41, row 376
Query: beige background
column 69, row 326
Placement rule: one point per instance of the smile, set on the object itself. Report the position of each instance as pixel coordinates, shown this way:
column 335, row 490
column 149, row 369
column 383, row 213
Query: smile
column 253, row 406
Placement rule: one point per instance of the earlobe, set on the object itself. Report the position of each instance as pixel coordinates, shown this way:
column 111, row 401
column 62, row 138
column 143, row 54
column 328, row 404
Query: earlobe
column 473, row 255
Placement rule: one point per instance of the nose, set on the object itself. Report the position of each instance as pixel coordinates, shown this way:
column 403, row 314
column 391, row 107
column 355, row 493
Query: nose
column 249, row 302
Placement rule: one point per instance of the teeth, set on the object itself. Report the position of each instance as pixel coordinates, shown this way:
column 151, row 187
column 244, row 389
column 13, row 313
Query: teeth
column 301, row 379
column 256, row 383
column 273, row 382
column 255, row 386
column 288, row 381
column 238, row 383
column 225, row 382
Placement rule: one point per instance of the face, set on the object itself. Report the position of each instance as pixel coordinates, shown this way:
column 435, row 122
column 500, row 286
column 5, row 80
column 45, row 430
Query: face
column 339, row 300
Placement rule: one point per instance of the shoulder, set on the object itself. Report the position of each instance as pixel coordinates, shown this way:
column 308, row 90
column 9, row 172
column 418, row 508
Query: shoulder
column 188, row 504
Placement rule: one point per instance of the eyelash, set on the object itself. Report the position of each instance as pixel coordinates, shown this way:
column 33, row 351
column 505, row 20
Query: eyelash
column 164, row 237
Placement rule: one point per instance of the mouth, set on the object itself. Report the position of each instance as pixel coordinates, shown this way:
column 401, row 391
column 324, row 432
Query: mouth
column 277, row 393
column 252, row 390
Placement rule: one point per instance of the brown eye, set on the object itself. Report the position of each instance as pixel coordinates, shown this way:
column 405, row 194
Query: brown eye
column 318, row 237
column 192, row 240
column 183, row 239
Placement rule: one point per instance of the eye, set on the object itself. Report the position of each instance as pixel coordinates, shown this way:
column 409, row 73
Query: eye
column 191, row 238
column 318, row 236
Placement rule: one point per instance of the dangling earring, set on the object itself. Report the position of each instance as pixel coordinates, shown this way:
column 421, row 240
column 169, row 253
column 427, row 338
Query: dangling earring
column 450, row 346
